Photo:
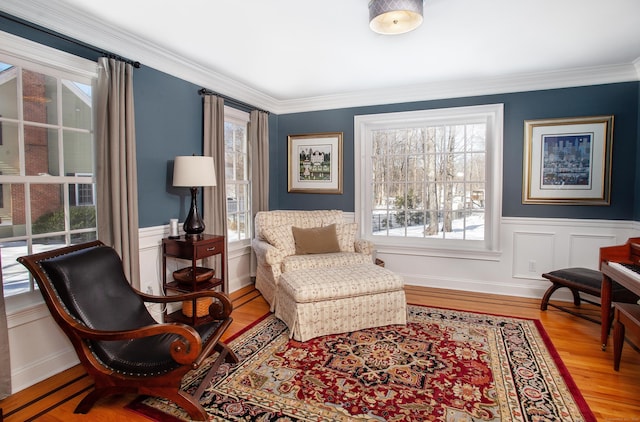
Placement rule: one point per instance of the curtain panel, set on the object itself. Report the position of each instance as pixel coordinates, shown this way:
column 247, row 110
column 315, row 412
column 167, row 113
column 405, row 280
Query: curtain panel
column 215, row 197
column 116, row 172
column 259, row 156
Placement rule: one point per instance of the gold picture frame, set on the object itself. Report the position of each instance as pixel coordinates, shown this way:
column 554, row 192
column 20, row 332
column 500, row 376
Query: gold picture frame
column 315, row 163
column 568, row 161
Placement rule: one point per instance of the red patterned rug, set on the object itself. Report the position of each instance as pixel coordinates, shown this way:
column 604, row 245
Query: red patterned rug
column 443, row 365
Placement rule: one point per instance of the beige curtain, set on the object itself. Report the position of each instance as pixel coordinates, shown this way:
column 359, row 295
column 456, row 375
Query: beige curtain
column 116, row 175
column 5, row 362
column 215, row 198
column 259, row 153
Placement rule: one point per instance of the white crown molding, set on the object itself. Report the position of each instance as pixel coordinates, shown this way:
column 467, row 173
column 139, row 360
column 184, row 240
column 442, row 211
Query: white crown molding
column 636, row 63
column 60, row 17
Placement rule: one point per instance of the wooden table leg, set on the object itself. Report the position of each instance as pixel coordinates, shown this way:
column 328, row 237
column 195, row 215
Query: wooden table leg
column 605, row 310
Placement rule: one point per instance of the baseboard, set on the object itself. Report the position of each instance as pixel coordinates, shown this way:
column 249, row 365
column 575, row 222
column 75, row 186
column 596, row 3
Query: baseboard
column 532, row 289
column 40, row 370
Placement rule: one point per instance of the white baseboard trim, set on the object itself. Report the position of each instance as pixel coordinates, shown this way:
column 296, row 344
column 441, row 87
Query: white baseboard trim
column 42, row 369
column 532, row 289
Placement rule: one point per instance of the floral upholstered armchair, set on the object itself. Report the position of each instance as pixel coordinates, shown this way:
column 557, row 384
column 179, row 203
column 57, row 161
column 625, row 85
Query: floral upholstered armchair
column 277, row 251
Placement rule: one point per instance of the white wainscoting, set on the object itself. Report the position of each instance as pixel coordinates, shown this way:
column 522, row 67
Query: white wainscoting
column 529, row 248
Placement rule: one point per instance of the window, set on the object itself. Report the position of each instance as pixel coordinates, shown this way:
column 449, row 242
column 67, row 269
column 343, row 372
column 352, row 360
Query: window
column 237, row 175
column 430, row 180
column 46, row 155
column 82, row 193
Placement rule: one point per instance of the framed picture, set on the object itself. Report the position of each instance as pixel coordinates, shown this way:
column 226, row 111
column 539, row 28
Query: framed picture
column 315, row 163
column 567, row 161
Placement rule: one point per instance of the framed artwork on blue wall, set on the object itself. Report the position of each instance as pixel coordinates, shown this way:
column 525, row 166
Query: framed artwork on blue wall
column 315, row 163
column 567, row 161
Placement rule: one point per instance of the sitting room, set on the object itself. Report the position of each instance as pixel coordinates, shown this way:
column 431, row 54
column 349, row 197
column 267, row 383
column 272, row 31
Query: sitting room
column 374, row 209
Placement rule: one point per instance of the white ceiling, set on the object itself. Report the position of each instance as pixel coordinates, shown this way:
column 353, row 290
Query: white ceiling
column 287, row 55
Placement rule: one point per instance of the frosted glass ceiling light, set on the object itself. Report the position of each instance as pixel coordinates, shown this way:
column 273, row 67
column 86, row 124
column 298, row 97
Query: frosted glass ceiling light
column 395, row 16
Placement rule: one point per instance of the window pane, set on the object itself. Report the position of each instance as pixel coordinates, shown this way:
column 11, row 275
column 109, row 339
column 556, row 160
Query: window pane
column 40, row 97
column 76, row 105
column 83, row 237
column 78, row 153
column 241, row 167
column 9, row 149
column 15, row 276
column 41, row 151
column 12, row 220
column 8, row 91
column 82, row 217
column 47, row 208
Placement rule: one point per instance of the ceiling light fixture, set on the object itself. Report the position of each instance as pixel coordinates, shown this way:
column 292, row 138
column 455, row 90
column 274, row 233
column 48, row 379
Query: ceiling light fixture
column 392, row 17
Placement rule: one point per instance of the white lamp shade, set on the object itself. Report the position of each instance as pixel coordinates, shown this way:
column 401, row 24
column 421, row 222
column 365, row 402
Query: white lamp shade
column 395, row 16
column 193, row 171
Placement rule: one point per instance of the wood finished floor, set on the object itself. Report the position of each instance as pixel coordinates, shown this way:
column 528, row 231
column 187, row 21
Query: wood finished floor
column 611, row 395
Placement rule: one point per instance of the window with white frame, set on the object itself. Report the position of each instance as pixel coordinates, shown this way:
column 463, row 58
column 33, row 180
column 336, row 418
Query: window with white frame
column 47, row 154
column 431, row 179
column 237, row 175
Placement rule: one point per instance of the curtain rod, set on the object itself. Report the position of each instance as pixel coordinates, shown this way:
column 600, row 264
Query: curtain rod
column 47, row 31
column 231, row 101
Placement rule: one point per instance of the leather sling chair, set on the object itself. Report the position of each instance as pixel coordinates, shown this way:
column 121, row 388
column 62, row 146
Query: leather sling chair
column 118, row 342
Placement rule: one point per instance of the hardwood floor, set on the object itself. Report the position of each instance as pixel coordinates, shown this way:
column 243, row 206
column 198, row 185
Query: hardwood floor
column 611, row 395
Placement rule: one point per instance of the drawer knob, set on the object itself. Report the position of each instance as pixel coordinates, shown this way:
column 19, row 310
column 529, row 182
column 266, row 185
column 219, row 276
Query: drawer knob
column 213, row 248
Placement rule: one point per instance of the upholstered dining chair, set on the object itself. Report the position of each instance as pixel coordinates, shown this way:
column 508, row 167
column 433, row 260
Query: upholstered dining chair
column 118, row 342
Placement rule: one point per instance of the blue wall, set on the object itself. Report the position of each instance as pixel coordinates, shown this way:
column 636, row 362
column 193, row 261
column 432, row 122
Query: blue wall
column 169, row 123
column 621, row 100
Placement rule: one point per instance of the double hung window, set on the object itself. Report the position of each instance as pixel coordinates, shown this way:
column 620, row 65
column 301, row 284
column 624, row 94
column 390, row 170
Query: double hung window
column 237, row 175
column 46, row 155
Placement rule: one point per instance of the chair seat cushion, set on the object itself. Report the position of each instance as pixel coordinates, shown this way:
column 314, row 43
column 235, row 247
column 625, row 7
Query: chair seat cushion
column 306, row 286
column 325, row 260
column 147, row 356
column 589, row 281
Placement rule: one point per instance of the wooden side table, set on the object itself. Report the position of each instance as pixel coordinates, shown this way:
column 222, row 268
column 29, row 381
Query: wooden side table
column 194, row 249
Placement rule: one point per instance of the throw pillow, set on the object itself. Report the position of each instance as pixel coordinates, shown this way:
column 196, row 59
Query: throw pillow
column 346, row 233
column 281, row 238
column 315, row 240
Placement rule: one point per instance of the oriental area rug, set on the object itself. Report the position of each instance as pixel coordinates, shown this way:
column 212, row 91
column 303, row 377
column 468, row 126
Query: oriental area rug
column 444, row 365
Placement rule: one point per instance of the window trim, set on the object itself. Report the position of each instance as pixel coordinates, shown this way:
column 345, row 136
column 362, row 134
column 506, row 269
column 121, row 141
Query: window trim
column 489, row 249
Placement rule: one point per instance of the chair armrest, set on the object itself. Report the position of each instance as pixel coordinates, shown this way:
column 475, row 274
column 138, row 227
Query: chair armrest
column 185, row 350
column 364, row 246
column 267, row 252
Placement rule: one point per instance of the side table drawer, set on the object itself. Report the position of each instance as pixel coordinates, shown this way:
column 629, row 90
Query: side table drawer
column 209, row 249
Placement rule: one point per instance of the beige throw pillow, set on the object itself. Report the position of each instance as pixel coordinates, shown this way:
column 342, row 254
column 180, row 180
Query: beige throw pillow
column 346, row 233
column 315, row 240
column 281, row 238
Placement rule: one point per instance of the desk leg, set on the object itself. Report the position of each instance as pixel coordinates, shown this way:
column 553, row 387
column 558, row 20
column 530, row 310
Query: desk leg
column 605, row 310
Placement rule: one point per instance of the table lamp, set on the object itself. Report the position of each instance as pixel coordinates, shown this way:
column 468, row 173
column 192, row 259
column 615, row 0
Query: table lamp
column 193, row 171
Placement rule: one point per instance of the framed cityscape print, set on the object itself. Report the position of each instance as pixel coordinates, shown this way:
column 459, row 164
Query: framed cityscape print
column 568, row 161
column 315, row 163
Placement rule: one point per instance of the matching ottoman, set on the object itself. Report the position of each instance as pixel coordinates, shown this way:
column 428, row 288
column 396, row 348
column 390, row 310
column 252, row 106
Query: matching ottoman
column 316, row 302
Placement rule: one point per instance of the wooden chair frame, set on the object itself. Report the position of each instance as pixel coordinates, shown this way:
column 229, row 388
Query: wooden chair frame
column 190, row 351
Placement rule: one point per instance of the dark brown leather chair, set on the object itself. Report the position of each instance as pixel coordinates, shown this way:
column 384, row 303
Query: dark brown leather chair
column 117, row 340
